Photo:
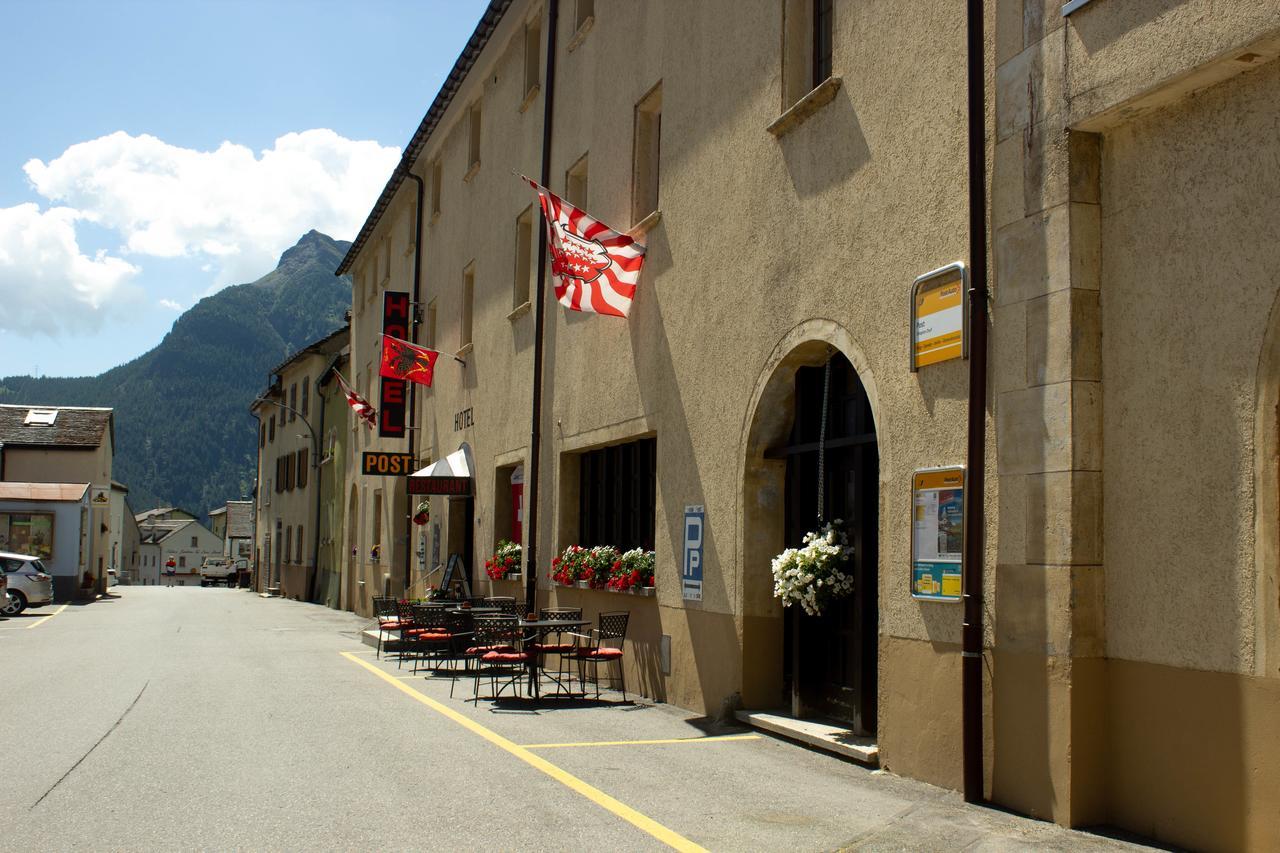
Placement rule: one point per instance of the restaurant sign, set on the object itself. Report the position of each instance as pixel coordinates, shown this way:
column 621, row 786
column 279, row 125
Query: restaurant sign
column 695, row 519
column 380, row 464
column 939, row 316
column 454, row 487
column 937, row 533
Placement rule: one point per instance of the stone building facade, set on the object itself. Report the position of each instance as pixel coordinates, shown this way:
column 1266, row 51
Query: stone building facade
column 788, row 199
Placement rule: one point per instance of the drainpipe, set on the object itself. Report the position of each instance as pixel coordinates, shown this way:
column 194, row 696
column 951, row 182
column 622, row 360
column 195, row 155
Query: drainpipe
column 414, row 308
column 539, row 322
column 975, row 518
column 315, row 476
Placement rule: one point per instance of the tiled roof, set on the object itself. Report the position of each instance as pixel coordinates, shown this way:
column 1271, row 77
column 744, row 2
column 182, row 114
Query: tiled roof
column 158, row 531
column 42, row 491
column 73, row 427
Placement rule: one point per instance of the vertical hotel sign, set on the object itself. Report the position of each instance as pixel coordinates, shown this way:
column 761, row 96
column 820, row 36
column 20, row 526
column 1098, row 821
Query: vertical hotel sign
column 937, row 533
column 939, row 316
column 695, row 519
column 392, row 397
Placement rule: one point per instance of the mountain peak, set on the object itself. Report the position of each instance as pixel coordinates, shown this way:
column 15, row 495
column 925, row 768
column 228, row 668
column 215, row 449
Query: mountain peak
column 314, row 246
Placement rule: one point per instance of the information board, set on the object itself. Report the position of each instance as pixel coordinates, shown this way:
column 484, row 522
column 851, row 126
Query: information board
column 695, row 518
column 937, row 533
column 939, row 321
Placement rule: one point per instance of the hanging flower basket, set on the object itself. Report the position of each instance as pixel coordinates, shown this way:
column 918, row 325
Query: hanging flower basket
column 816, row 573
column 505, row 561
column 422, row 514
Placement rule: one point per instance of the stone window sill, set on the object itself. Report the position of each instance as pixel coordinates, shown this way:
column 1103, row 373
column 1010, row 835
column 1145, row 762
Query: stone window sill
column 644, row 226
column 581, row 35
column 807, row 106
column 465, row 350
column 519, row 311
column 435, row 217
column 471, row 173
column 530, row 97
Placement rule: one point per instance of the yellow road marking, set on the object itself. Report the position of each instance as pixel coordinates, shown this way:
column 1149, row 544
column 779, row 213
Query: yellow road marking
column 600, row 798
column 717, row 739
column 44, row 619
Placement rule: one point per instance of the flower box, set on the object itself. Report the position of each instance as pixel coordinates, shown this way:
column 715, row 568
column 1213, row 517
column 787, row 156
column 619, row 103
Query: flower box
column 645, row 591
column 582, row 584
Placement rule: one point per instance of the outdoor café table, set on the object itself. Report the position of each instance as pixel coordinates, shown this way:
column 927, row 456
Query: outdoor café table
column 481, row 611
column 532, row 630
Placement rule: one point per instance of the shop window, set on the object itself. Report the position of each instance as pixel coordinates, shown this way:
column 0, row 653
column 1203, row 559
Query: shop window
column 616, row 495
column 575, row 183
column 521, row 286
column 532, row 58
column 646, row 155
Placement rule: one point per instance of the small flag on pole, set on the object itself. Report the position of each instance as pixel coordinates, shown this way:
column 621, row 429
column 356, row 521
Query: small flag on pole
column 403, row 360
column 597, row 267
column 358, row 404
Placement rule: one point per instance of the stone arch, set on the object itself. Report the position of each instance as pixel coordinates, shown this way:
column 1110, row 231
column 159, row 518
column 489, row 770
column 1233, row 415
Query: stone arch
column 761, row 529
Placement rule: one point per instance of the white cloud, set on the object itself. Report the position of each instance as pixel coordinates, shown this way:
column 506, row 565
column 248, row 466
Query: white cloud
column 230, row 208
column 170, row 304
column 47, row 285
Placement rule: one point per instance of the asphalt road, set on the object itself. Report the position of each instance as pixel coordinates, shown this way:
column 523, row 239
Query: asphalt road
column 189, row 718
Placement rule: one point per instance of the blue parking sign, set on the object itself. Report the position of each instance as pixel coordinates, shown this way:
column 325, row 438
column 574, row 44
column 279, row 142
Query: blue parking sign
column 691, row 575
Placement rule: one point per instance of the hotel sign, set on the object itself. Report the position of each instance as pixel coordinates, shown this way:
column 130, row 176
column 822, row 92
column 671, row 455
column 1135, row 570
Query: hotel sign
column 392, row 400
column 383, row 464
column 939, row 316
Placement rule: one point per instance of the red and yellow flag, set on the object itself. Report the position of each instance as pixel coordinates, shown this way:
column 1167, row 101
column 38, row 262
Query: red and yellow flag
column 403, row 360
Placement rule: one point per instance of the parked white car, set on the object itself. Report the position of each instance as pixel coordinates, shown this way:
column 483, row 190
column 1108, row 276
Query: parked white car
column 29, row 584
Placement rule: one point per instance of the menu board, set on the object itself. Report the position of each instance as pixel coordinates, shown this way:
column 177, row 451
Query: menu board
column 27, row 533
column 937, row 533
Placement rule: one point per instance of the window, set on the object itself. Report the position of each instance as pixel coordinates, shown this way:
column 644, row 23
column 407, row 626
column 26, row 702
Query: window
column 182, row 562
column 27, row 533
column 40, row 417
column 473, row 140
column 431, row 324
column 288, row 543
column 410, row 233
column 297, row 554
column 293, row 402
column 575, row 183
column 823, row 18
column 468, row 300
column 272, row 435
column 520, row 288
column 302, row 467
column 436, row 172
column 262, row 436
column 582, row 13
column 195, row 541
column 616, row 495
column 306, row 397
column 384, row 262
column 377, row 517
column 532, row 58
column 290, row 472
column 806, row 47
column 647, row 155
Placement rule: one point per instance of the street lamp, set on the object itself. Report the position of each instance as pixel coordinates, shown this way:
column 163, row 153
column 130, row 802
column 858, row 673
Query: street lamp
column 315, row 464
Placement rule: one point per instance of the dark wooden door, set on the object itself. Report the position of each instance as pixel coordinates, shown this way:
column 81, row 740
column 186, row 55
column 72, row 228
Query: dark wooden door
column 831, row 658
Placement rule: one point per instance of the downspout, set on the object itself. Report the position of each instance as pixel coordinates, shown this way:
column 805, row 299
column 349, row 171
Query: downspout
column 539, row 323
column 975, row 517
column 315, row 466
column 414, row 308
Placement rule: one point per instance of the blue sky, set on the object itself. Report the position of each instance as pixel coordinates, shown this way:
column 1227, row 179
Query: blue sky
column 154, row 152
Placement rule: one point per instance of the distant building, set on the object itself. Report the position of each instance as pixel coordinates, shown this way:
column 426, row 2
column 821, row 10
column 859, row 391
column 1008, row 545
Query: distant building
column 233, row 524
column 66, row 445
column 185, row 539
column 218, row 522
column 124, row 555
column 52, row 521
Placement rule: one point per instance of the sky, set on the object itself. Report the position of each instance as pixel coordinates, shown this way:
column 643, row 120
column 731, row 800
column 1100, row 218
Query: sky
column 152, row 153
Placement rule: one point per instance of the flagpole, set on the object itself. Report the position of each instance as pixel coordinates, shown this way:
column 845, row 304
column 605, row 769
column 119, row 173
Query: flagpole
column 539, row 323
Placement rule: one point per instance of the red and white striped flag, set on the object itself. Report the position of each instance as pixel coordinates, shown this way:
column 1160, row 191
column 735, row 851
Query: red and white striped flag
column 597, row 267
column 362, row 407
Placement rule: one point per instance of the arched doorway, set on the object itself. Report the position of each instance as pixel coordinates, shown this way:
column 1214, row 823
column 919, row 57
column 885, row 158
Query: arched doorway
column 824, row 666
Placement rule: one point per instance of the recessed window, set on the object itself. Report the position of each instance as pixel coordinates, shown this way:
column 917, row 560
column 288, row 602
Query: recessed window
column 583, row 12
column 647, row 155
column 823, row 19
column 431, row 324
column 262, row 436
column 473, row 140
column 182, row 562
column 524, row 258
column 575, row 183
column 468, row 303
column 293, row 402
column 806, row 47
column 306, row 397
column 385, row 262
column 298, row 552
column 616, row 495
column 195, row 541
column 532, row 57
column 271, row 436
column 302, row 467
column 436, row 173
column 377, row 517
column 288, row 543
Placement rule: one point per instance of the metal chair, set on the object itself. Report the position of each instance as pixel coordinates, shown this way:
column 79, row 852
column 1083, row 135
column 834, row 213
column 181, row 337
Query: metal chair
column 505, row 603
column 597, row 649
column 496, row 654
column 558, row 642
column 432, row 633
column 388, row 619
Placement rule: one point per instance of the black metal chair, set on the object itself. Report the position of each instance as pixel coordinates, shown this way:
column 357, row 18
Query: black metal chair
column 431, row 635
column 406, row 622
column 505, row 604
column 557, row 642
column 497, row 656
column 388, row 619
column 597, row 648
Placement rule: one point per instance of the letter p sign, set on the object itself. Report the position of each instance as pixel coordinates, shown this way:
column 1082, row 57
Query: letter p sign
column 691, row 575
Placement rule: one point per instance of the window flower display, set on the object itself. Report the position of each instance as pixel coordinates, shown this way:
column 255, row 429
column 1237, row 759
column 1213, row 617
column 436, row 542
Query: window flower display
column 599, row 566
column 632, row 570
column 505, row 560
column 568, row 567
column 814, row 574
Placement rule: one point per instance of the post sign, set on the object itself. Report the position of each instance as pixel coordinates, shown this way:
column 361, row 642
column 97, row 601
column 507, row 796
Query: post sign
column 939, row 316
column 393, row 398
column 378, row 464
column 454, row 487
column 937, row 533
column 695, row 518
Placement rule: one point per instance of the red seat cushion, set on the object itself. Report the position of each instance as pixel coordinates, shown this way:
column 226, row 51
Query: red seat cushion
column 600, row 654
column 507, row 657
column 424, row 634
column 479, row 650
column 553, row 648
column 388, row 623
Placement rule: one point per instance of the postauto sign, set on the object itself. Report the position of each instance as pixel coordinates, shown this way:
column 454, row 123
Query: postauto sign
column 377, row 464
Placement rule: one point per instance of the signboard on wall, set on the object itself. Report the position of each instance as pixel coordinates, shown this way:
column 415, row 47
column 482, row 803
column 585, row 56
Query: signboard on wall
column 379, row 464
column 937, row 533
column 100, row 497
column 695, row 518
column 393, row 397
column 939, row 316
column 454, row 487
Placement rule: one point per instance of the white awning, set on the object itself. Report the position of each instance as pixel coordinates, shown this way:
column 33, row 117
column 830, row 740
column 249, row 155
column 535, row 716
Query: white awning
column 453, row 465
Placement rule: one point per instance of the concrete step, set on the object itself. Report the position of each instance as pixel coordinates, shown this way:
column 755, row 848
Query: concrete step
column 370, row 638
column 820, row 735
